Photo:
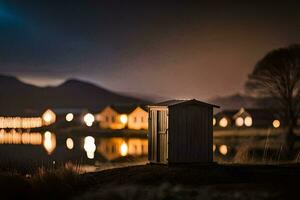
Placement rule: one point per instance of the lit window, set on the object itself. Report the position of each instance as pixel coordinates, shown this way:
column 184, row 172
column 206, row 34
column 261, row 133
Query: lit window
column 69, row 117
column 89, row 119
column 223, row 122
column 123, row 119
column 239, row 121
column 248, row 121
column 276, row 123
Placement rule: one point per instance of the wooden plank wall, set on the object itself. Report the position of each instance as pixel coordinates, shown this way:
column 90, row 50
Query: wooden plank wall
column 190, row 134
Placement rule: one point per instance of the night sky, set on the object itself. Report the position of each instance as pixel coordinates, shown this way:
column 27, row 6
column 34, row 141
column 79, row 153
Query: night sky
column 179, row 50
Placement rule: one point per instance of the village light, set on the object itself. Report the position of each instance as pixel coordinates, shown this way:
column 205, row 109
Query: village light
column 239, row 121
column 69, row 117
column 223, row 122
column 223, row 149
column 89, row 146
column 214, row 147
column 123, row 119
column 70, row 143
column 89, row 119
column 47, row 117
column 214, row 121
column 276, row 123
column 49, row 142
column 248, row 121
column 124, row 149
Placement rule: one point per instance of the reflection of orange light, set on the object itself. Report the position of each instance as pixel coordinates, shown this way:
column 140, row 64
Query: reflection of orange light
column 14, row 137
column 276, row 123
column 70, row 143
column 49, row 142
column 89, row 146
column 123, row 149
column 223, row 149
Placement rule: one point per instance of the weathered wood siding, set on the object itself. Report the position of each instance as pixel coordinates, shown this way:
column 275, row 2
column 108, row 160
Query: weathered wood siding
column 190, row 134
column 162, row 136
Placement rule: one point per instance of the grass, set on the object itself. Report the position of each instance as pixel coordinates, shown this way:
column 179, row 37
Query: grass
column 217, row 181
column 62, row 183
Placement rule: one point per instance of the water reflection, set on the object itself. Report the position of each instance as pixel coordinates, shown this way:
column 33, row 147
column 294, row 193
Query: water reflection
column 70, row 143
column 223, row 149
column 112, row 148
column 124, row 149
column 49, row 142
column 47, row 147
column 89, row 146
column 13, row 137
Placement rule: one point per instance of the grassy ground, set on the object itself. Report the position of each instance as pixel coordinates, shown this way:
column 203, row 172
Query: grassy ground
column 44, row 184
column 157, row 182
column 195, row 182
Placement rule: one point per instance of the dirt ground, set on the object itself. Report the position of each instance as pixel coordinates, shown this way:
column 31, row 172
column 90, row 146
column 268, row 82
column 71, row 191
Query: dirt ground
column 195, row 182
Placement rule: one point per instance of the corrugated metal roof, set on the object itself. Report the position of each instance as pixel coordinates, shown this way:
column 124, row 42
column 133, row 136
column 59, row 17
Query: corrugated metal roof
column 177, row 102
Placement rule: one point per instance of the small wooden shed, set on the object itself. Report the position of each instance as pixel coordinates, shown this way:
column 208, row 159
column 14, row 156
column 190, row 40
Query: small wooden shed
column 181, row 131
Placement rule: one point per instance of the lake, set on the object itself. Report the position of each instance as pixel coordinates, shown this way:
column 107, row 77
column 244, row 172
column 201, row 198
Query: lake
column 89, row 150
column 27, row 151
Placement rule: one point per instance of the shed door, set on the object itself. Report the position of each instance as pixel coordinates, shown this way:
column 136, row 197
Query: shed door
column 162, row 136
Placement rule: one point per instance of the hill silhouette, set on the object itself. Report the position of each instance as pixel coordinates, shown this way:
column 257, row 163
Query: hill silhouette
column 16, row 95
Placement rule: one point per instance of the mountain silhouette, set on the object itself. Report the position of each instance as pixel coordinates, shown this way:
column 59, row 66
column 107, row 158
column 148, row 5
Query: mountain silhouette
column 236, row 101
column 16, row 95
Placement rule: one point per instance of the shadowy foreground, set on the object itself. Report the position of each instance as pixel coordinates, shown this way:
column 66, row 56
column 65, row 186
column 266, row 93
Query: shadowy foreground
column 159, row 182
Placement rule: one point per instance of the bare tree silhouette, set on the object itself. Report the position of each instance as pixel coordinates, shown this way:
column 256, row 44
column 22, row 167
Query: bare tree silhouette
column 277, row 75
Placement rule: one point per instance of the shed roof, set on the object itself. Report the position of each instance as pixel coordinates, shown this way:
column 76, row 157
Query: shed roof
column 180, row 102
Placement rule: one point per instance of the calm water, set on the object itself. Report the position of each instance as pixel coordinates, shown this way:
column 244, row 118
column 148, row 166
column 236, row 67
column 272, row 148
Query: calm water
column 27, row 151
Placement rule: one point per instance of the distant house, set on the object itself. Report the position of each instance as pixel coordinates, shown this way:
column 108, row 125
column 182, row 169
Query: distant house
column 246, row 118
column 138, row 118
column 115, row 116
column 26, row 119
column 258, row 118
column 224, row 119
column 181, row 131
